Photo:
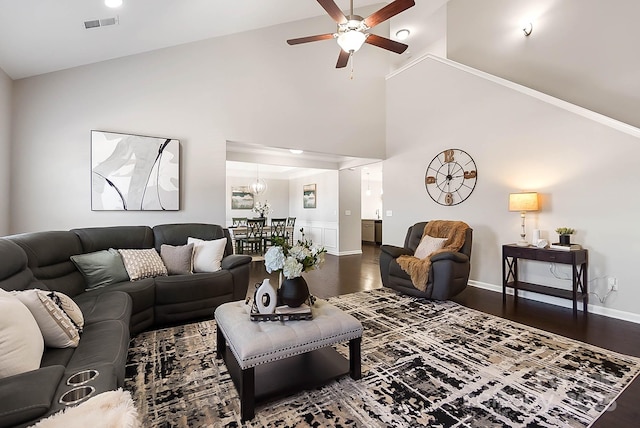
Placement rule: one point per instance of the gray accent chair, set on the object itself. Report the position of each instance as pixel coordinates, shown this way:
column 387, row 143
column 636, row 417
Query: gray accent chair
column 449, row 273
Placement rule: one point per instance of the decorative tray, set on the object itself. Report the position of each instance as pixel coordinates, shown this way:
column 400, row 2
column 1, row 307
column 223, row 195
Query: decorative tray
column 284, row 312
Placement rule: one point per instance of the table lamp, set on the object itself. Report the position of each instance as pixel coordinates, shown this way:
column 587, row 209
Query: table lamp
column 523, row 202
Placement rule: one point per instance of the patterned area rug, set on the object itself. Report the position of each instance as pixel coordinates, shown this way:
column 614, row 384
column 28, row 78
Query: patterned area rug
column 424, row 363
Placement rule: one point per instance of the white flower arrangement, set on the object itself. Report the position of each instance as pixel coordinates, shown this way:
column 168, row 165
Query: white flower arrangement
column 294, row 260
column 262, row 209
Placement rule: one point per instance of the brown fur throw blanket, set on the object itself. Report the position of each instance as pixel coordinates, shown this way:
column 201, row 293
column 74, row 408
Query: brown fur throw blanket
column 417, row 268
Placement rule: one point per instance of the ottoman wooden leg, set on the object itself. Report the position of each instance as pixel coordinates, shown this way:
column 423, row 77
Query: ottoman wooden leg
column 221, row 343
column 354, row 358
column 247, row 394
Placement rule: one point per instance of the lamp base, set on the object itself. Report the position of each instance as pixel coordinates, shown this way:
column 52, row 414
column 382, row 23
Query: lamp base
column 523, row 244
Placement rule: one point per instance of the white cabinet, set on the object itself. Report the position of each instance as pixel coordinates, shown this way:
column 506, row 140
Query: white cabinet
column 368, row 231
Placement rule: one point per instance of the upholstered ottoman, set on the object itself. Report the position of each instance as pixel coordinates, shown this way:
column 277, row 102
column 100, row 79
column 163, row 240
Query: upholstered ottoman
column 276, row 358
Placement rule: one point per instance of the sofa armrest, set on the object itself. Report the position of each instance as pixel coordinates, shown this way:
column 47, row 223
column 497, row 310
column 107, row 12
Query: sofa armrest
column 395, row 252
column 26, row 396
column 235, row 260
column 455, row 257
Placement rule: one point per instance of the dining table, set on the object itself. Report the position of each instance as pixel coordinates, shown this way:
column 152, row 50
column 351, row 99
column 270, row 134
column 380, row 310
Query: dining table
column 240, row 231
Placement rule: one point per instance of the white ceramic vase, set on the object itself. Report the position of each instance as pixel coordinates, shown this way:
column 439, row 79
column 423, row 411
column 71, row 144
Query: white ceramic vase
column 266, row 297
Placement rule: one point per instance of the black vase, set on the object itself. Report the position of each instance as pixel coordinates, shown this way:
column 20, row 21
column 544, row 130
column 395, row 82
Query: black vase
column 565, row 239
column 293, row 292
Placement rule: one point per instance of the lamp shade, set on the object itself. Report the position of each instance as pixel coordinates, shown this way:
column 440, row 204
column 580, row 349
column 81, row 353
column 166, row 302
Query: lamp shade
column 351, row 41
column 527, row 201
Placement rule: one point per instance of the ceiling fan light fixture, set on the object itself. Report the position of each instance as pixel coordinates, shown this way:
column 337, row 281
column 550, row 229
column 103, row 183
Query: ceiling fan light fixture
column 352, row 40
column 113, row 3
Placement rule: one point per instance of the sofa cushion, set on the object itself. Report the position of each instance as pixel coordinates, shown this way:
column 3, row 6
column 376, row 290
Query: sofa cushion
column 58, row 329
column 142, row 264
column 48, row 255
column 101, row 268
column 187, row 288
column 103, row 238
column 14, row 273
column 207, row 255
column 110, row 305
column 177, row 259
column 20, row 338
column 104, row 342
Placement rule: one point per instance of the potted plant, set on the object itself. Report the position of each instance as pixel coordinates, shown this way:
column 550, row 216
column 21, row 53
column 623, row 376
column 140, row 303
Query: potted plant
column 292, row 261
column 565, row 235
column 262, row 209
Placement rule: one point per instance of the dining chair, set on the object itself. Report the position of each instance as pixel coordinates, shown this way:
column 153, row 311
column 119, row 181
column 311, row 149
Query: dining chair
column 278, row 230
column 253, row 238
column 238, row 221
column 291, row 223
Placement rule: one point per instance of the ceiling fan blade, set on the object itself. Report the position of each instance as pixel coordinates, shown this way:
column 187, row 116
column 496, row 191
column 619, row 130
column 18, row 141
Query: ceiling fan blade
column 387, row 12
column 384, row 43
column 310, row 39
column 343, row 59
column 333, row 10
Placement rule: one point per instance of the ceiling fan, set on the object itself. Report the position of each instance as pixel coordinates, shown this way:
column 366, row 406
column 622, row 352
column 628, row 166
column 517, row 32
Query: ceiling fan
column 352, row 29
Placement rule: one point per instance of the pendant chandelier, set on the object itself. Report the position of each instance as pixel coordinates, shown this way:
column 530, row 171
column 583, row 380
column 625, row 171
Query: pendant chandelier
column 259, row 185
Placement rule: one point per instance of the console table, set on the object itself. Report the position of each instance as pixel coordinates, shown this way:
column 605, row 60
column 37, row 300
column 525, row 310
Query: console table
column 576, row 258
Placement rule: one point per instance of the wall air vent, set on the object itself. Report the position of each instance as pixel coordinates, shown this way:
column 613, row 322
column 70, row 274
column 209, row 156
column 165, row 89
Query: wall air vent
column 97, row 23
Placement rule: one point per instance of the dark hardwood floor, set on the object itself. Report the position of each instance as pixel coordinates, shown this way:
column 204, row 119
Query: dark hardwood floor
column 348, row 274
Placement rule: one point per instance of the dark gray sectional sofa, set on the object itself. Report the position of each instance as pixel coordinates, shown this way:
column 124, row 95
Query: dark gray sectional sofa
column 112, row 313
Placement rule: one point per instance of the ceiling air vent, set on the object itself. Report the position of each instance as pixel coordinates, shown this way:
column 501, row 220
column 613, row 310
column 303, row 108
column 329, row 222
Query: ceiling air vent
column 96, row 23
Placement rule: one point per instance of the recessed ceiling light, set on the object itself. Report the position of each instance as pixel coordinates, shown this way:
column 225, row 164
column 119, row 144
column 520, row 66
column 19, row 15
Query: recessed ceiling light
column 296, row 151
column 402, row 34
column 113, row 3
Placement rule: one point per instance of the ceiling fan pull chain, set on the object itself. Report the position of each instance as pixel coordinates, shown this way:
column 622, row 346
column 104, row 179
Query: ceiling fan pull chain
column 351, row 58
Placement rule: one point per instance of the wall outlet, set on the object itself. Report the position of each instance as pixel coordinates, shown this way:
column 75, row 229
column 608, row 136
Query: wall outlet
column 612, row 283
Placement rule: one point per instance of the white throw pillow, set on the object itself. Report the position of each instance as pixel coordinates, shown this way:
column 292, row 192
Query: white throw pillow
column 143, row 263
column 207, row 255
column 428, row 245
column 21, row 343
column 47, row 307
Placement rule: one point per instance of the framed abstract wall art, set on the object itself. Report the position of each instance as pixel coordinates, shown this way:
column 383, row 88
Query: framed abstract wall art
column 309, row 196
column 241, row 198
column 134, row 172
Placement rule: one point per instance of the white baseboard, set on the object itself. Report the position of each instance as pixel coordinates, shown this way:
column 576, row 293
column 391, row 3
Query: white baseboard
column 594, row 309
column 344, row 253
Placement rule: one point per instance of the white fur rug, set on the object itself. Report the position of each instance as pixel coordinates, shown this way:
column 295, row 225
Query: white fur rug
column 111, row 409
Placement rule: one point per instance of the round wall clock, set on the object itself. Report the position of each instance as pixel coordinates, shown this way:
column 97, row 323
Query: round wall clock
column 451, row 177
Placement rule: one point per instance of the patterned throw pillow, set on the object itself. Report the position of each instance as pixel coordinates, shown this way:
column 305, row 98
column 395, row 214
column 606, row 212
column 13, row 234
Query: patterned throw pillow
column 58, row 328
column 428, row 245
column 143, row 263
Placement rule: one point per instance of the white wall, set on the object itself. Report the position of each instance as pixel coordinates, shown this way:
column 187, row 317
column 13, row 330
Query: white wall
column 581, row 51
column 249, row 87
column 321, row 223
column 277, row 195
column 5, row 150
column 349, row 211
column 583, row 169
